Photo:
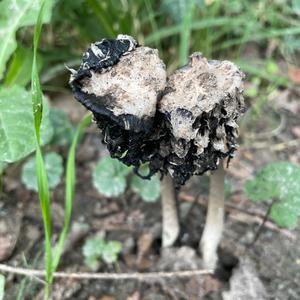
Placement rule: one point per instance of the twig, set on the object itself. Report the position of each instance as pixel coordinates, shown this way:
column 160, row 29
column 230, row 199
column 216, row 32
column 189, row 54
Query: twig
column 261, row 226
column 243, row 215
column 104, row 276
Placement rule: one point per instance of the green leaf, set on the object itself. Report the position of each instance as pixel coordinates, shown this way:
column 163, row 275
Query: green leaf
column 93, row 247
column 109, row 177
column 2, row 286
column 70, row 179
column 54, row 169
column 62, row 127
column 17, row 138
column 19, row 70
column 15, row 14
column 149, row 190
column 92, row 262
column 111, row 251
column 97, row 248
column 280, row 181
column 284, row 215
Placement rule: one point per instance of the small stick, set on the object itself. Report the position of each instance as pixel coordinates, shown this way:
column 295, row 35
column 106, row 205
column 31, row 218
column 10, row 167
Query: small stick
column 170, row 222
column 258, row 232
column 105, row 276
column 214, row 220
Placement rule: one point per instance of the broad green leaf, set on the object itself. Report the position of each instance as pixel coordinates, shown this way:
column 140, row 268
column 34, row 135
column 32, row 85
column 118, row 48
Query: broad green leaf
column 17, row 138
column 62, row 128
column 109, row 177
column 54, row 169
column 2, row 286
column 279, row 181
column 284, row 215
column 149, row 190
column 296, row 6
column 15, row 14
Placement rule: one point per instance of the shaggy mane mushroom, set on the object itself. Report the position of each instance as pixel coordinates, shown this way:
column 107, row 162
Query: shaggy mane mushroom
column 180, row 126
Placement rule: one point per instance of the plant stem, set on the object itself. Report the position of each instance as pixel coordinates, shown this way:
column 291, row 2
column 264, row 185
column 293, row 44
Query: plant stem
column 170, row 221
column 214, row 220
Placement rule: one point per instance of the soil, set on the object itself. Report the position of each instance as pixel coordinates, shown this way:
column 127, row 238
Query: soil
column 273, row 259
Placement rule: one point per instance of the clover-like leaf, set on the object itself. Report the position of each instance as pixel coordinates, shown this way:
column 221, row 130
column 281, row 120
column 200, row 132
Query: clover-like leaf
column 109, row 177
column 17, row 137
column 111, row 251
column 149, row 190
column 279, row 181
column 93, row 247
column 97, row 249
column 62, row 127
column 54, row 168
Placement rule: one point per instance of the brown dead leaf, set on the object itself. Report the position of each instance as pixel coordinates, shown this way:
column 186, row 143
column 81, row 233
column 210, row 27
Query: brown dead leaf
column 294, row 74
column 296, row 131
column 106, row 297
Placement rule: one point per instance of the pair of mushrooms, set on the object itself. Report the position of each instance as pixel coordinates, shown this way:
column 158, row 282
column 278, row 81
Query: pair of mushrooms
column 181, row 125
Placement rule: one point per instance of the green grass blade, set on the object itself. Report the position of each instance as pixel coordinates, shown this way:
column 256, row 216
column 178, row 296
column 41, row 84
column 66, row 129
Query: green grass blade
column 42, row 179
column 70, row 186
column 186, row 28
column 102, row 17
column 259, row 36
column 196, row 25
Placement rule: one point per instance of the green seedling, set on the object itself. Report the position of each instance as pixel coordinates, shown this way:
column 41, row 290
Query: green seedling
column 98, row 250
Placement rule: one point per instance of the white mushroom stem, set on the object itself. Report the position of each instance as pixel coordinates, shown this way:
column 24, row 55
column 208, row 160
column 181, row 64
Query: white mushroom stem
column 214, row 220
column 170, row 222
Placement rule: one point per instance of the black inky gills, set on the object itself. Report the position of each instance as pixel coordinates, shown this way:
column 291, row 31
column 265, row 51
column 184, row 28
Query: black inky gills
column 200, row 110
column 120, row 83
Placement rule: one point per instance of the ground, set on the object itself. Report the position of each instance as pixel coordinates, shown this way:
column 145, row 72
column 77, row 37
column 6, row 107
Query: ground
column 273, row 259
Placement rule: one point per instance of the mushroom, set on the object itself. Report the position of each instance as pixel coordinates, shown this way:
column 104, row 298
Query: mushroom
column 200, row 111
column 121, row 84
column 181, row 126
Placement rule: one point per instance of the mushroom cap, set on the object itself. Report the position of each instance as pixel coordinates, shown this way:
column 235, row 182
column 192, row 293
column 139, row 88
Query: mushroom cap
column 181, row 125
column 131, row 87
column 120, row 84
column 200, row 109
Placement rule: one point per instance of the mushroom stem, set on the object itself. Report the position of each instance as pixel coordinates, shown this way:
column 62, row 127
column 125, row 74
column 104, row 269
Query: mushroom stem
column 170, row 223
column 214, row 220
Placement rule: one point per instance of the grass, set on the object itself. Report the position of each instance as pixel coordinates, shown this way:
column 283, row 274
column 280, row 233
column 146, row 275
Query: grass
column 52, row 257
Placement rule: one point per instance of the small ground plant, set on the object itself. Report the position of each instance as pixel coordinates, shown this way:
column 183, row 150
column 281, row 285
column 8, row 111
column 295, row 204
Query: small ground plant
column 97, row 250
column 279, row 182
column 111, row 178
